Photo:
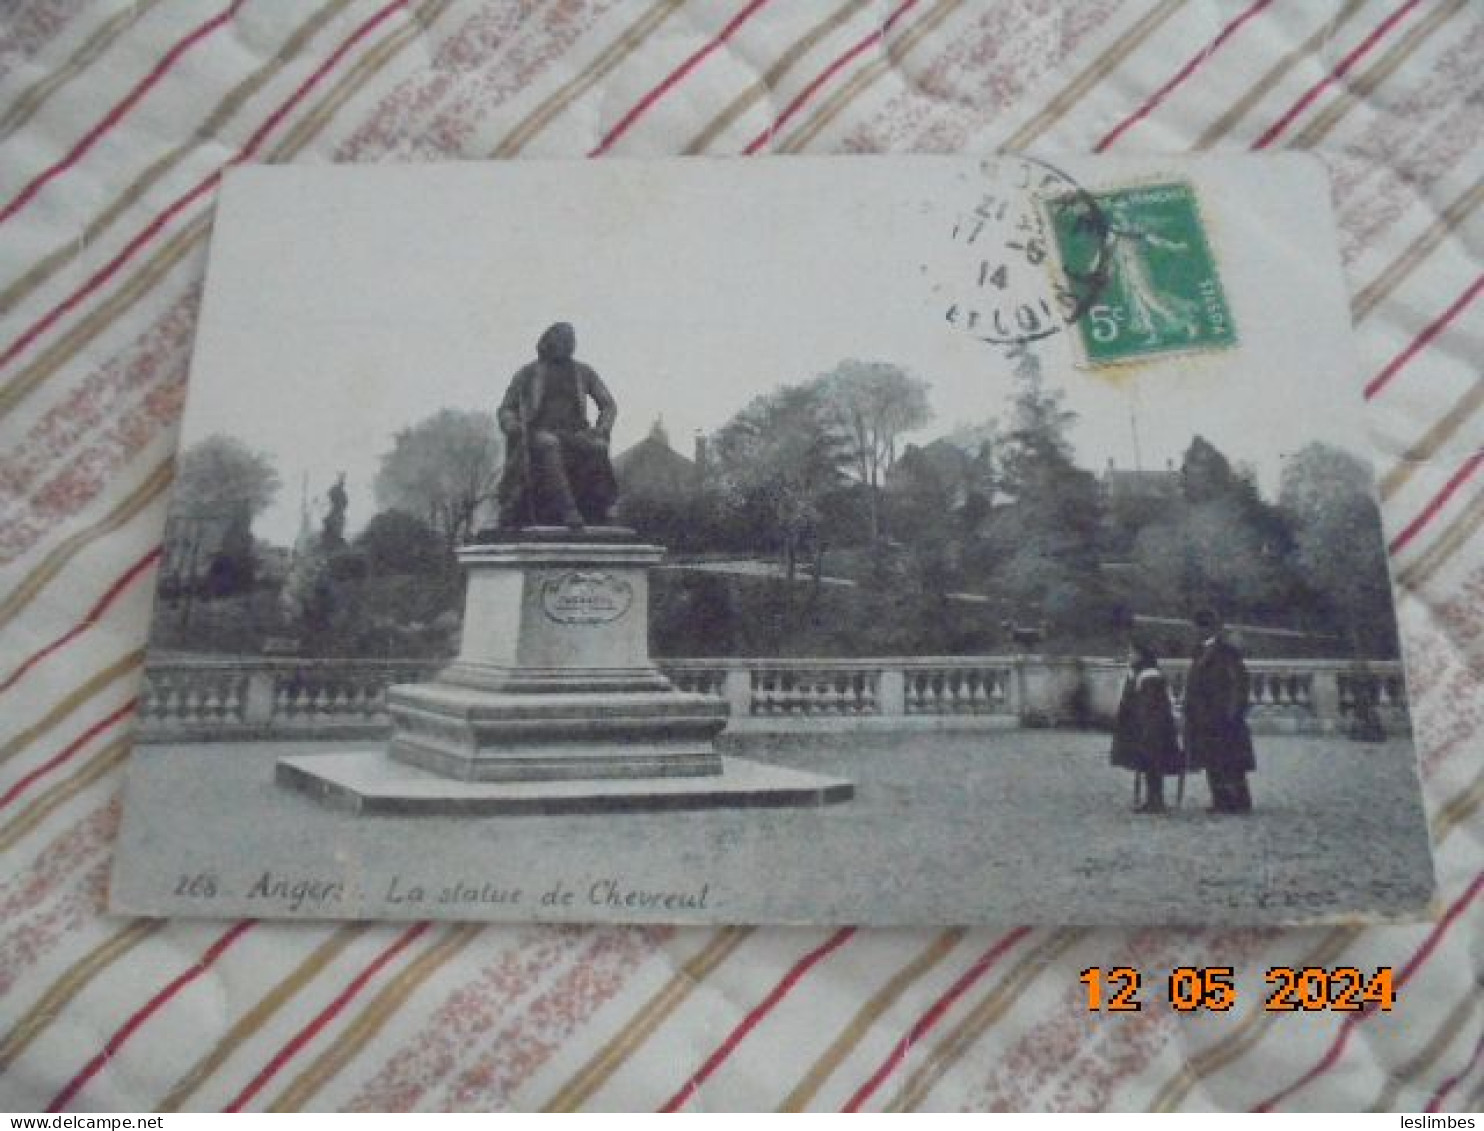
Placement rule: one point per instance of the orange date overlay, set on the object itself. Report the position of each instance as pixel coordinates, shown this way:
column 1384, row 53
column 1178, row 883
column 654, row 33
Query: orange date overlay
column 1292, row 989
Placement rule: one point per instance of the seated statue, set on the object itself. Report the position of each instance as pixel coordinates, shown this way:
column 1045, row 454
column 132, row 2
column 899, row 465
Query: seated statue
column 557, row 471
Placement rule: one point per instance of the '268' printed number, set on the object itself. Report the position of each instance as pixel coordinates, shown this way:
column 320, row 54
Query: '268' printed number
column 202, row 885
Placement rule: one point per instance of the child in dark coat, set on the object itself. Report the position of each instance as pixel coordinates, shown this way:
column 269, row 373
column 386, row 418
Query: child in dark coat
column 1145, row 739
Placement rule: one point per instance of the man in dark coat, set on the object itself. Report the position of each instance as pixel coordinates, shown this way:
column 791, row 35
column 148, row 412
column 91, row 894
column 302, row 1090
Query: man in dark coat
column 1144, row 738
column 1216, row 734
column 557, row 470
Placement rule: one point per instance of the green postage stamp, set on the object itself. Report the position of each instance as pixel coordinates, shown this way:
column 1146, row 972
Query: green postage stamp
column 1141, row 256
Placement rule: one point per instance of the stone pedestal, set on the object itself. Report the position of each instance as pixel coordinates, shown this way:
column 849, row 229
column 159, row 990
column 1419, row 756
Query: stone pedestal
column 553, row 680
column 553, row 684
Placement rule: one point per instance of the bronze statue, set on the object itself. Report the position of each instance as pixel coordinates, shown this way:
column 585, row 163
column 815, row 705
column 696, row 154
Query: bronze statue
column 557, row 471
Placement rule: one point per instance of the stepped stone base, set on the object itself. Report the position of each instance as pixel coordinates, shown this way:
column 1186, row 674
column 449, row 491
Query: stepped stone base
column 476, row 735
column 373, row 783
column 553, row 704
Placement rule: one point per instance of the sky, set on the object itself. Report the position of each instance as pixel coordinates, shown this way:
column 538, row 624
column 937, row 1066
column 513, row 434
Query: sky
column 345, row 303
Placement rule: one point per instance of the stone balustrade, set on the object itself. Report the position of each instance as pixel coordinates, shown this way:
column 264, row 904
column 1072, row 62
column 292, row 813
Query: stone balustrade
column 229, row 699
column 210, row 699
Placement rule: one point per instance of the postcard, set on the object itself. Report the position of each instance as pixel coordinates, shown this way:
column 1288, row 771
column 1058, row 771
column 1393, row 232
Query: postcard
column 931, row 540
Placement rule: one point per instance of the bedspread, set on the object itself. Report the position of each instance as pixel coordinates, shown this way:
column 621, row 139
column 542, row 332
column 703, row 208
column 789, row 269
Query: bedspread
column 117, row 121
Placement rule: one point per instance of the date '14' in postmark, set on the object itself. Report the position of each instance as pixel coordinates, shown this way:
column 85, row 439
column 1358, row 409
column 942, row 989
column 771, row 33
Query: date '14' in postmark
column 1161, row 292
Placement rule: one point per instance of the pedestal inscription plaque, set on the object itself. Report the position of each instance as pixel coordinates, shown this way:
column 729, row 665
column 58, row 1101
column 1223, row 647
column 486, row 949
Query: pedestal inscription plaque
column 553, row 684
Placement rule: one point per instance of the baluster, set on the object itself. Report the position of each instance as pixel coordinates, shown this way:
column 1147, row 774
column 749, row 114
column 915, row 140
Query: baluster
column 341, row 695
column 978, row 684
column 190, row 706
column 765, row 693
column 162, row 697
column 829, row 693
column 209, row 701
column 973, row 691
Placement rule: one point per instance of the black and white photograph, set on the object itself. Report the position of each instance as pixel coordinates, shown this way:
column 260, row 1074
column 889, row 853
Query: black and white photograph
column 897, row 541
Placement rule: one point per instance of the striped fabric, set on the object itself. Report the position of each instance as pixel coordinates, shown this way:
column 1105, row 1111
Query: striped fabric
column 116, row 121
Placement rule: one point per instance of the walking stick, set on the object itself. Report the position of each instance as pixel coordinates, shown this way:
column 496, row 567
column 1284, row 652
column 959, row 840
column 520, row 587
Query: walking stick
column 1184, row 768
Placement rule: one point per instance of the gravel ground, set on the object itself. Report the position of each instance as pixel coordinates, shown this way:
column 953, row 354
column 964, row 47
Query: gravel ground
column 1009, row 827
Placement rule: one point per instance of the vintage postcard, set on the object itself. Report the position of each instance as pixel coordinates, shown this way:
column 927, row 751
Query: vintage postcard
column 940, row 540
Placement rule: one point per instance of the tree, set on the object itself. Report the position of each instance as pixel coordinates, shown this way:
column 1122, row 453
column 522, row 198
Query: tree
column 1219, row 543
column 1327, row 494
column 982, row 442
column 395, row 542
column 919, row 498
column 221, row 485
column 1041, row 550
column 1210, row 553
column 1036, row 441
column 221, row 477
column 777, row 461
column 872, row 403
column 442, row 469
